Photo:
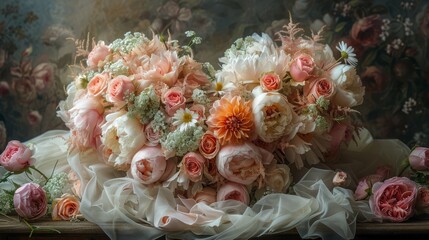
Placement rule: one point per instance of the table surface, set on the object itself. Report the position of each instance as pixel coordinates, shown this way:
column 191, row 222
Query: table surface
column 12, row 229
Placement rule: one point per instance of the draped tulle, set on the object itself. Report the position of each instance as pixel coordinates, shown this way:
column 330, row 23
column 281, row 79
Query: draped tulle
column 126, row 209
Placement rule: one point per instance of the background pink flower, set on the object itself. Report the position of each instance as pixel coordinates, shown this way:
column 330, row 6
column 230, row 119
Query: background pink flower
column 16, row 157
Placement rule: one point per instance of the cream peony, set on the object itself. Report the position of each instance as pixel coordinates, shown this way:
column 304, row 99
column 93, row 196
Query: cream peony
column 122, row 136
column 350, row 91
column 272, row 115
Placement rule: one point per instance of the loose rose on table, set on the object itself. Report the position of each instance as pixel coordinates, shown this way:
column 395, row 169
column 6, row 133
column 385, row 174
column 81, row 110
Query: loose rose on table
column 419, row 159
column 30, row 201
column 66, row 207
column 17, row 157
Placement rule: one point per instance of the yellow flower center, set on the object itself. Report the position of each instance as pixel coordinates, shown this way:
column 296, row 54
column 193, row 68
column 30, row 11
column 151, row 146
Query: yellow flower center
column 344, row 55
column 187, row 117
column 219, row 86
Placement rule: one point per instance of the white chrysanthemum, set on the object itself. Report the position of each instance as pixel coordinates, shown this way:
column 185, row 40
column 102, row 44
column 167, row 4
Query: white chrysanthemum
column 349, row 89
column 347, row 53
column 185, row 118
column 122, row 136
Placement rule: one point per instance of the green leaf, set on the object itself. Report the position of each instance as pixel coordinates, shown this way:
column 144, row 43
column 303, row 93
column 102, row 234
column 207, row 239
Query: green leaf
column 369, row 58
column 340, row 26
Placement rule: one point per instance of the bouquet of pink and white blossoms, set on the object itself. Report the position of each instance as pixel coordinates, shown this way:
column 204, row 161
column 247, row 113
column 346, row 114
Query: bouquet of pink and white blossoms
column 184, row 143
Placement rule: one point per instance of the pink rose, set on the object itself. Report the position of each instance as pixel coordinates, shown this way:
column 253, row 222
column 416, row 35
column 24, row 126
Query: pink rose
column 394, row 199
column 97, row 55
column 301, row 67
column 34, row 117
column 152, row 136
column 43, row 76
column 65, row 208
column 193, row 166
column 98, row 84
column 4, row 89
column 242, row 163
column 16, row 157
column 270, row 82
column 30, row 201
column 367, row 30
column 209, row 145
column 173, row 99
column 422, row 198
column 321, row 87
column 340, row 179
column 206, row 195
column 363, row 190
column 86, row 117
column 233, row 191
column 170, row 169
column 118, row 88
column 419, row 159
column 148, row 165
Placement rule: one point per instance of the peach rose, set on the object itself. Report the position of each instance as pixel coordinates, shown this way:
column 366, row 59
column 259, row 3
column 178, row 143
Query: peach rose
column 301, row 67
column 366, row 31
column 193, row 166
column 97, row 55
column 148, row 165
column 321, row 87
column 206, row 195
column 118, row 88
column 173, row 99
column 242, row 163
column 98, row 84
column 209, row 145
column 270, row 82
column 43, row 76
column 16, row 157
column 65, row 208
column 233, row 191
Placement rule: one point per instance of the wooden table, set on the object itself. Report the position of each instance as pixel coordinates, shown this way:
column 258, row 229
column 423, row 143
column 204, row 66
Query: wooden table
column 84, row 230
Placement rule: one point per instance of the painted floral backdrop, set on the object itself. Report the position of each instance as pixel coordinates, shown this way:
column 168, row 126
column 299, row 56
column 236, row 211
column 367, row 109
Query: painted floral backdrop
column 390, row 38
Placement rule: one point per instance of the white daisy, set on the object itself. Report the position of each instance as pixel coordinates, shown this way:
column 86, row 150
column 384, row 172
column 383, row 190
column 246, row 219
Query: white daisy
column 347, row 53
column 184, row 118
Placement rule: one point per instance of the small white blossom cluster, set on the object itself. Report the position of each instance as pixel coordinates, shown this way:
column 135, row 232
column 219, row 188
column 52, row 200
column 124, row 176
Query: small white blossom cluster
column 408, row 105
column 396, row 44
column 407, row 5
column 408, row 27
column 6, row 202
column 56, row 185
column 385, row 29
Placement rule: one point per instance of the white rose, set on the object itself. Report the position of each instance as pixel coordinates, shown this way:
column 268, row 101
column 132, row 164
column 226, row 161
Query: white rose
column 350, row 91
column 278, row 178
column 273, row 116
column 122, row 137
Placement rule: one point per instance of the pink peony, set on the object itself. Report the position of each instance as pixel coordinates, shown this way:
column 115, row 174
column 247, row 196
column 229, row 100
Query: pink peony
column 233, row 191
column 16, row 157
column 394, row 199
column 97, row 55
column 148, row 165
column 30, row 201
column 419, row 159
column 301, row 67
column 242, row 163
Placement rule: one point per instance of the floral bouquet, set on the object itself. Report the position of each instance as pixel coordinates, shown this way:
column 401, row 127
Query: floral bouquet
column 167, row 145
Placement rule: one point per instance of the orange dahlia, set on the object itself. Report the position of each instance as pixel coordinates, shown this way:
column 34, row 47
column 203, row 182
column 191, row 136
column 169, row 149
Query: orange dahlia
column 231, row 120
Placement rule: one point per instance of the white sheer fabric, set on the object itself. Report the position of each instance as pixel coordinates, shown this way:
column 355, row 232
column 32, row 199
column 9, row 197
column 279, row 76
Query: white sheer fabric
column 126, row 209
